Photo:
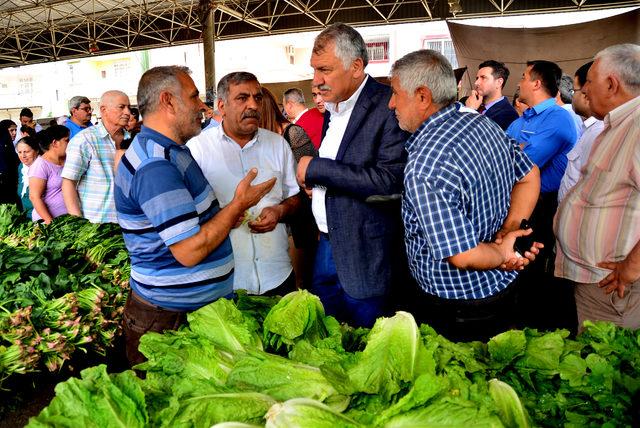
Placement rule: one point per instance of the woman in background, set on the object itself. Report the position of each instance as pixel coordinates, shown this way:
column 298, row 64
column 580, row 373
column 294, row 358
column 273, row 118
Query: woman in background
column 10, row 126
column 28, row 150
column 303, row 226
column 273, row 120
column 45, row 181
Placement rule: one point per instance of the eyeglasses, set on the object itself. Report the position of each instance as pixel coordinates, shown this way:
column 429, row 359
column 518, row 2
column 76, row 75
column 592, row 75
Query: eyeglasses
column 574, row 90
column 87, row 109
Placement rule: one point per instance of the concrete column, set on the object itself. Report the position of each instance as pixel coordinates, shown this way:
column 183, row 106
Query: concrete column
column 209, row 56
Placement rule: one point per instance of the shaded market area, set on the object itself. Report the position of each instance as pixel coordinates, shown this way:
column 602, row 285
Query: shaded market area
column 71, row 339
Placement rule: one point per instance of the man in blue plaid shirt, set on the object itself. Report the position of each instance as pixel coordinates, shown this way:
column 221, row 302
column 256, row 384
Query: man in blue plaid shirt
column 467, row 188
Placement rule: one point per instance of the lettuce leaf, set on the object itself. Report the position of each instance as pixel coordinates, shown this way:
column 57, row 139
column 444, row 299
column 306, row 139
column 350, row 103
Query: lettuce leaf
column 298, row 315
column 283, row 379
column 223, row 324
column 446, row 413
column 307, row 413
column 201, row 404
column 512, row 412
column 507, row 346
column 96, row 400
column 394, row 355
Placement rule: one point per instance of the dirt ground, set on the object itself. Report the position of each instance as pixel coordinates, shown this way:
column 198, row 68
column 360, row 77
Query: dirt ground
column 24, row 396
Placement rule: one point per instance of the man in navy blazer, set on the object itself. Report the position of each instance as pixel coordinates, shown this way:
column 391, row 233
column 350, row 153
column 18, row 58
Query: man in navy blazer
column 487, row 95
column 356, row 183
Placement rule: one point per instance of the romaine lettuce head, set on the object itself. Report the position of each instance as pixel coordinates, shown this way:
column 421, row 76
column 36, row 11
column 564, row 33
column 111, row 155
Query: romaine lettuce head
column 223, row 324
column 202, row 405
column 298, row 315
column 96, row 400
column 512, row 412
column 306, row 413
column 394, row 355
column 283, row 379
column 183, row 354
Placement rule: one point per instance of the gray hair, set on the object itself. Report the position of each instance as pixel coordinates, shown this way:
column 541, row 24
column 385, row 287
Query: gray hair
column 156, row 80
column 565, row 87
column 622, row 61
column 295, row 95
column 75, row 102
column 234, row 78
column 427, row 68
column 349, row 44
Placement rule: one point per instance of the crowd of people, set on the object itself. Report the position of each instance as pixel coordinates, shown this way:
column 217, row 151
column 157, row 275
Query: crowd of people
column 476, row 214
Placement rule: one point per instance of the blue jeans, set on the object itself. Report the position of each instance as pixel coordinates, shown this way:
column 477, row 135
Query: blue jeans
column 326, row 285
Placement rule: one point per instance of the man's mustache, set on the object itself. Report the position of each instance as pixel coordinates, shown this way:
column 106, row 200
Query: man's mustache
column 324, row 87
column 251, row 114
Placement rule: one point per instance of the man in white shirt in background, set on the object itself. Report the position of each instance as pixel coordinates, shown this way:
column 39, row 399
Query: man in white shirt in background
column 226, row 154
column 590, row 129
column 564, row 98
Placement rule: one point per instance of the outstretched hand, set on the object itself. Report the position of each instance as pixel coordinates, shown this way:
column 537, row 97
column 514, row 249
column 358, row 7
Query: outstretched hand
column 247, row 195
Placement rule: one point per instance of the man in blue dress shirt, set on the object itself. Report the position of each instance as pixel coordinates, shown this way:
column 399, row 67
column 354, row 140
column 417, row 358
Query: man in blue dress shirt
column 546, row 132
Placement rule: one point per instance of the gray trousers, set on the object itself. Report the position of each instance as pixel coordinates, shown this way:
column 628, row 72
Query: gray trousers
column 593, row 304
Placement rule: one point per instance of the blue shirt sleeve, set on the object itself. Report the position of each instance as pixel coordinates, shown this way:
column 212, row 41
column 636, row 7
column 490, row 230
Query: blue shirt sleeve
column 163, row 197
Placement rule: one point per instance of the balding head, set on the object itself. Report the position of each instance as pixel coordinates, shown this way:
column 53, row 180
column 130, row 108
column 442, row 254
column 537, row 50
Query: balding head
column 114, row 109
column 613, row 79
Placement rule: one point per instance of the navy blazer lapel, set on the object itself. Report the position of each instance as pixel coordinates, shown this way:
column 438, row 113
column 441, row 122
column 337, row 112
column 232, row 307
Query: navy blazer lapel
column 363, row 103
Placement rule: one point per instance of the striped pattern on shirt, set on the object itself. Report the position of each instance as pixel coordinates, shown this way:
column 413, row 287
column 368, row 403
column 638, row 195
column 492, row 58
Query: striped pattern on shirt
column 162, row 198
column 458, row 180
column 599, row 219
column 90, row 161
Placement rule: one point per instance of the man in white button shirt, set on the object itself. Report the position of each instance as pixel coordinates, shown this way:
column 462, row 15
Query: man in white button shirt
column 356, row 182
column 591, row 128
column 225, row 154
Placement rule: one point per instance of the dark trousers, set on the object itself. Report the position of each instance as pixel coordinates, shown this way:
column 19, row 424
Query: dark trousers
column 465, row 320
column 286, row 287
column 545, row 302
column 335, row 299
column 141, row 317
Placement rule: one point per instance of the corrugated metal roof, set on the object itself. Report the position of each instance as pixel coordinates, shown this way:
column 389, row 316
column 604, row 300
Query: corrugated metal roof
column 33, row 31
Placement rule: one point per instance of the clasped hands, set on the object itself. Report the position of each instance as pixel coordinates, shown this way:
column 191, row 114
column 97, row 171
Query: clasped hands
column 512, row 260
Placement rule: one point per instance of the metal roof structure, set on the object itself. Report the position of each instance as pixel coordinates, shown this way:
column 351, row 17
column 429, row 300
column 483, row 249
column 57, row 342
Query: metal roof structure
column 35, row 31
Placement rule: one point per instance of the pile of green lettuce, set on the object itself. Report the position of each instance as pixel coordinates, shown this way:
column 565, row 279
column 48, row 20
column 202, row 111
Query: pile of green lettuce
column 261, row 361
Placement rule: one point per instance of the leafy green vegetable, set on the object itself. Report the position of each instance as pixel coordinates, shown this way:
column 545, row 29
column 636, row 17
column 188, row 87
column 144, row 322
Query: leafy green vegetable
column 283, row 379
column 426, row 387
column 507, row 346
column 394, row 375
column 512, row 412
column 201, row 404
column 223, row 324
column 446, row 413
column 177, row 355
column 298, row 315
column 303, row 413
column 96, row 400
column 394, row 355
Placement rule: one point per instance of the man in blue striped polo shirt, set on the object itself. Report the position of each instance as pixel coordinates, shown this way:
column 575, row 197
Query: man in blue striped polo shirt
column 174, row 229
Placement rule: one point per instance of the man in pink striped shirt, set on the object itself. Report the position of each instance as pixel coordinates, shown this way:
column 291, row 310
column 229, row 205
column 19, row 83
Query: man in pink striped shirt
column 598, row 223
